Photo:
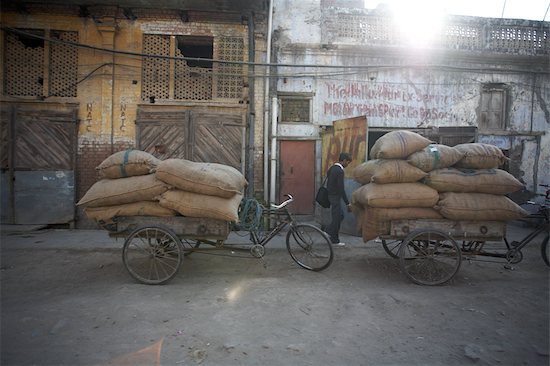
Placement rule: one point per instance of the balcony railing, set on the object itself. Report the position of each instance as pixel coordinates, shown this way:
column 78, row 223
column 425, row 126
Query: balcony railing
column 505, row 36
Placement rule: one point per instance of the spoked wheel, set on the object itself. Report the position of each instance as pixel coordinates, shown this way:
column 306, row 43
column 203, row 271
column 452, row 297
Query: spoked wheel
column 391, row 247
column 309, row 247
column 429, row 257
column 544, row 251
column 152, row 255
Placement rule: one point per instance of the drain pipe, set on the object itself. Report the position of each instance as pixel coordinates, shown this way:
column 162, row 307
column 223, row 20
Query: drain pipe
column 266, row 100
column 274, row 112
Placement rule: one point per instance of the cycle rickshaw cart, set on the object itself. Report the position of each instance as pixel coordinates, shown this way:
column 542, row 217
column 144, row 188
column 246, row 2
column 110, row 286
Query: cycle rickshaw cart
column 154, row 247
column 430, row 252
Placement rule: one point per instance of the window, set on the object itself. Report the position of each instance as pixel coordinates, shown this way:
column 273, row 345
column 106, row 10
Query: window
column 25, row 68
column 295, row 109
column 493, row 107
column 165, row 78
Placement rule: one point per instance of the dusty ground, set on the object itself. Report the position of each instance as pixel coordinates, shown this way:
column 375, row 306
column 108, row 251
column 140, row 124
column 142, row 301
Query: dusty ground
column 68, row 300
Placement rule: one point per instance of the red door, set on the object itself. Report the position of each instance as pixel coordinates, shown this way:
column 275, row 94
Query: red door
column 297, row 175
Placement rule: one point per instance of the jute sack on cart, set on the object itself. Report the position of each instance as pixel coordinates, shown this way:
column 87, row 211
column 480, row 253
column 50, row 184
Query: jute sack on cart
column 480, row 156
column 376, row 220
column 478, row 206
column 127, row 163
column 394, row 195
column 110, row 192
column 387, row 171
column 205, row 178
column 492, row 181
column 106, row 214
column 398, row 145
column 199, row 205
column 435, row 156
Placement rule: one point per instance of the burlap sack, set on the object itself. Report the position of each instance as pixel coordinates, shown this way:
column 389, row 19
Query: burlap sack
column 394, row 195
column 199, row 205
column 110, row 192
column 435, row 156
column 478, row 206
column 144, row 208
column 372, row 226
column 127, row 163
column 492, row 181
column 480, row 156
column 387, row 171
column 205, row 178
column 398, row 145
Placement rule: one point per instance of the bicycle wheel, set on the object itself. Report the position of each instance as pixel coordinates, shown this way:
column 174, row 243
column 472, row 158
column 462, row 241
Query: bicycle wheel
column 544, row 251
column 391, row 247
column 429, row 257
column 309, row 247
column 152, row 255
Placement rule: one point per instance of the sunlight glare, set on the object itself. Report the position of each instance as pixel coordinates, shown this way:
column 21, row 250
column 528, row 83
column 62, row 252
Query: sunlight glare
column 420, row 22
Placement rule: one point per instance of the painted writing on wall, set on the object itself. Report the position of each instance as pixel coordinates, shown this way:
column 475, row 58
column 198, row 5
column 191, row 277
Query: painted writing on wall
column 385, row 100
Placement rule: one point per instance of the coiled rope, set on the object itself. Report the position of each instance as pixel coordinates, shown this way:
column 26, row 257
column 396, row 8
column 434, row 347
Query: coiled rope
column 250, row 214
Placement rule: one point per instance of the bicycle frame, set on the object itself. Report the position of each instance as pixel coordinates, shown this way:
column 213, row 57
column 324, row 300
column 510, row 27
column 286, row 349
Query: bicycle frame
column 283, row 218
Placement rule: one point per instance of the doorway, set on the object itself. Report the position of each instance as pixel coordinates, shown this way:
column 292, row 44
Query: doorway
column 297, row 175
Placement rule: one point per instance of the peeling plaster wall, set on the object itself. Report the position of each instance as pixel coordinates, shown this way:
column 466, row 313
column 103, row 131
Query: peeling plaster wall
column 396, row 92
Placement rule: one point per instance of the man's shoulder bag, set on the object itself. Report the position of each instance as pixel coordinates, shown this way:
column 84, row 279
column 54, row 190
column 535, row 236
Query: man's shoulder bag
column 322, row 195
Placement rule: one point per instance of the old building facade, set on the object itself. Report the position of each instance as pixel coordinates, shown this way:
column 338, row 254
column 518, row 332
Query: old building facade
column 274, row 88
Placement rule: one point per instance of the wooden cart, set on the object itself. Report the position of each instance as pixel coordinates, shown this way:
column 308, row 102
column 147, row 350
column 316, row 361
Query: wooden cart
column 429, row 252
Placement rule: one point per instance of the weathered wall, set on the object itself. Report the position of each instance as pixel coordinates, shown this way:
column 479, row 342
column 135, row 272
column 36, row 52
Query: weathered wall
column 399, row 87
column 109, row 84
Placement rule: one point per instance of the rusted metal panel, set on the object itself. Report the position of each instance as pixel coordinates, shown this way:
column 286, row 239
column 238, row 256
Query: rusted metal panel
column 44, row 197
column 297, row 175
column 39, row 170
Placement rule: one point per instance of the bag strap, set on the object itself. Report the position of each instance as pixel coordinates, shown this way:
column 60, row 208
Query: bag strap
column 324, row 181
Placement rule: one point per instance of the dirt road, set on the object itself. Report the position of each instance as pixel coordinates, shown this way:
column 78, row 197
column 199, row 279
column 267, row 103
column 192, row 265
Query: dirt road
column 68, row 300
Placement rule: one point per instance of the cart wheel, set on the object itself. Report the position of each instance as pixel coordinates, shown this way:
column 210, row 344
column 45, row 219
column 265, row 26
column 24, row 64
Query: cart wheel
column 545, row 251
column 429, row 257
column 391, row 247
column 514, row 256
column 309, row 247
column 152, row 255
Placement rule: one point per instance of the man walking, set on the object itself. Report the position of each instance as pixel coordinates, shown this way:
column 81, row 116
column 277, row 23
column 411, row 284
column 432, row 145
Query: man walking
column 336, row 193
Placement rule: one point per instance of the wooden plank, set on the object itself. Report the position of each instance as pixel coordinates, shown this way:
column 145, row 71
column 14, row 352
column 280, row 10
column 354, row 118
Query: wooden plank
column 459, row 230
column 184, row 227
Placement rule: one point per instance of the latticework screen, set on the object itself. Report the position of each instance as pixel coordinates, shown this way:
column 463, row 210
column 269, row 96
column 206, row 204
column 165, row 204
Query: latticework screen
column 230, row 76
column 24, row 64
column 156, row 71
column 63, row 65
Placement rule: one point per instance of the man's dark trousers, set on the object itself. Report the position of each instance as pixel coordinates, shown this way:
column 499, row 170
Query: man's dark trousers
column 337, row 216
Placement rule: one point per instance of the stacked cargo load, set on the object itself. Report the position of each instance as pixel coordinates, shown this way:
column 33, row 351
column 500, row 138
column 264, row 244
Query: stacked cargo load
column 135, row 183
column 409, row 177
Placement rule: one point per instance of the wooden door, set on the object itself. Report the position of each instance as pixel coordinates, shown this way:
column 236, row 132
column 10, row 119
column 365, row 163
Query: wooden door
column 38, row 163
column 297, row 174
column 197, row 135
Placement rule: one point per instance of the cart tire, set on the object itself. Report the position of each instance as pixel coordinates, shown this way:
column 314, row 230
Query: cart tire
column 309, row 247
column 391, row 247
column 544, row 251
column 152, row 255
column 429, row 257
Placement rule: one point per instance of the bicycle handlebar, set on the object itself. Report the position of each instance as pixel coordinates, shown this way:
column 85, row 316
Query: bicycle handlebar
column 284, row 203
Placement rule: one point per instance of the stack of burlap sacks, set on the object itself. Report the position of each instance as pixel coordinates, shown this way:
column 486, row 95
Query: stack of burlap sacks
column 409, row 177
column 135, row 183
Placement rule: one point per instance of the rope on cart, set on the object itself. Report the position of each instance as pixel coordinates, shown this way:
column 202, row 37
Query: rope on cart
column 250, row 214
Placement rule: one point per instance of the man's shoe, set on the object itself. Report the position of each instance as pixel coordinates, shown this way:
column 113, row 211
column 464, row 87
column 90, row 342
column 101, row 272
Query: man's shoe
column 340, row 244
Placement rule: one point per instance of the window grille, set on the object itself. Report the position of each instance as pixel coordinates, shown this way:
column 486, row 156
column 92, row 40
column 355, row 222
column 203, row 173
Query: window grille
column 295, row 109
column 25, row 64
